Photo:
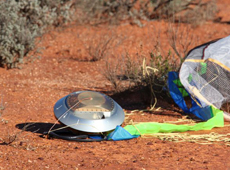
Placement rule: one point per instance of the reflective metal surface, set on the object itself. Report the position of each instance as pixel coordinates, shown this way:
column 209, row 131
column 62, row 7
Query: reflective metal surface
column 89, row 111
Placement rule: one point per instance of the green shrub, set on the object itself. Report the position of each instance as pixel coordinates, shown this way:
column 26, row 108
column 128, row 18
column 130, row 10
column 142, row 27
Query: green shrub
column 21, row 22
column 140, row 71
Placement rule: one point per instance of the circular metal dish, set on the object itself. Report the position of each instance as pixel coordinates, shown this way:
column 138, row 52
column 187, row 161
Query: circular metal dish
column 89, row 111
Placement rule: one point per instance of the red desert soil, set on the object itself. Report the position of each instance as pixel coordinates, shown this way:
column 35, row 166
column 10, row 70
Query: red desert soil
column 30, row 93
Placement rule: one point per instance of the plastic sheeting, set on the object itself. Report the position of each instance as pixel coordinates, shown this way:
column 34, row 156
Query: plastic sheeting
column 151, row 127
column 177, row 92
column 120, row 134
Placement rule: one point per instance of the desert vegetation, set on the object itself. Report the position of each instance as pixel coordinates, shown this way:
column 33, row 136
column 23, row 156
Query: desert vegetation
column 24, row 23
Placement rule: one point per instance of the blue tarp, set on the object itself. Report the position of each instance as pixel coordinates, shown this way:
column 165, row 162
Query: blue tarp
column 204, row 113
column 120, row 134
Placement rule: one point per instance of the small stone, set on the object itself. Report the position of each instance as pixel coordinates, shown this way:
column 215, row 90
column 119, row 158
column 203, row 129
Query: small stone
column 150, row 143
column 40, row 158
